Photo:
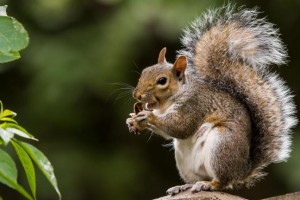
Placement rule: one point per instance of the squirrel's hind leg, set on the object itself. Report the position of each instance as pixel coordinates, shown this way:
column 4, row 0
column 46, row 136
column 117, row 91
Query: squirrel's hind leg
column 229, row 163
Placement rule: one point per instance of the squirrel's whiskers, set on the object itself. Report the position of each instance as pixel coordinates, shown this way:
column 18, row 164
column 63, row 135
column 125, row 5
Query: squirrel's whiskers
column 123, row 92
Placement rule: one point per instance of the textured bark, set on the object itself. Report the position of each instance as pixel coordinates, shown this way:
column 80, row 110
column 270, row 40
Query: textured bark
column 187, row 195
column 291, row 196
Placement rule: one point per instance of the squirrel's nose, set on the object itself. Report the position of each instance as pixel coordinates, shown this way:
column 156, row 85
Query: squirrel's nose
column 137, row 95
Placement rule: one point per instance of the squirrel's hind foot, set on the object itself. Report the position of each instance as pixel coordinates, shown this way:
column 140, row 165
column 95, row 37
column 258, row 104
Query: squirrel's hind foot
column 179, row 188
column 205, row 186
column 196, row 187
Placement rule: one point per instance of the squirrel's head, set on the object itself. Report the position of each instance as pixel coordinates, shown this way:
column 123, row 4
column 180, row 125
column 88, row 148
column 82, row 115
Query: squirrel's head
column 160, row 81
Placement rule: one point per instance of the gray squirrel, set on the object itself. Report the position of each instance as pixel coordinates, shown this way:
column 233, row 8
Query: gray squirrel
column 228, row 115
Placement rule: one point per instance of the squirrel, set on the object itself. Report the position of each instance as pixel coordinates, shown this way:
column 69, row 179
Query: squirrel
column 228, row 115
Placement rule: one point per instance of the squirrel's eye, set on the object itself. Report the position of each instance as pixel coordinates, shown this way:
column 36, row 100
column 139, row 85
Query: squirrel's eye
column 161, row 81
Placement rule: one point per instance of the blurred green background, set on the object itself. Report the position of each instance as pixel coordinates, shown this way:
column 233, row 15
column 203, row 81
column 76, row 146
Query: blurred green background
column 66, row 91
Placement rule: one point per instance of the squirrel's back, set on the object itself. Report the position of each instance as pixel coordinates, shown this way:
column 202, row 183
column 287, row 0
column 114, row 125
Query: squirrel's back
column 232, row 49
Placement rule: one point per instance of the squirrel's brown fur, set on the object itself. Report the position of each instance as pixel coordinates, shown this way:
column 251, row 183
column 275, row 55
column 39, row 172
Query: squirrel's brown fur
column 228, row 114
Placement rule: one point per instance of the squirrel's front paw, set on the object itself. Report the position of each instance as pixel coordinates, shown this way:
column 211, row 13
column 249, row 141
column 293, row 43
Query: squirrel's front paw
column 131, row 127
column 141, row 120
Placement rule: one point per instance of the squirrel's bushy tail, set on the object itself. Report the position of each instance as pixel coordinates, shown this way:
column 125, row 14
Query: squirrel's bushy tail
column 233, row 49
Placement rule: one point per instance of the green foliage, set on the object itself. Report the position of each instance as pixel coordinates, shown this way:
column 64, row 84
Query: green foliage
column 13, row 38
column 8, row 174
column 26, row 153
column 43, row 164
column 27, row 165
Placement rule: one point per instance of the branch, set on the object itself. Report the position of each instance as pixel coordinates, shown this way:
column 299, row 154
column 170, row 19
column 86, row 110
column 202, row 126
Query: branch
column 290, row 196
column 203, row 195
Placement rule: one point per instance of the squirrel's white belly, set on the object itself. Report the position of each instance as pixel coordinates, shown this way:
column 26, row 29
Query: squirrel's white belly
column 193, row 155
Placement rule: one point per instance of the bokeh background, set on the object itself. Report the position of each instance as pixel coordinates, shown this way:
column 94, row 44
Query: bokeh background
column 68, row 90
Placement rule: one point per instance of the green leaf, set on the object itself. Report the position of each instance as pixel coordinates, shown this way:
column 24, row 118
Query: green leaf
column 27, row 165
column 1, row 107
column 19, row 130
column 43, row 164
column 7, row 166
column 20, row 133
column 8, row 174
column 8, row 113
column 10, row 56
column 13, row 37
column 8, row 119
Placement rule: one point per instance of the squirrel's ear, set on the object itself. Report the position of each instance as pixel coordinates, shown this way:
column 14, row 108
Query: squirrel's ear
column 162, row 55
column 180, row 66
